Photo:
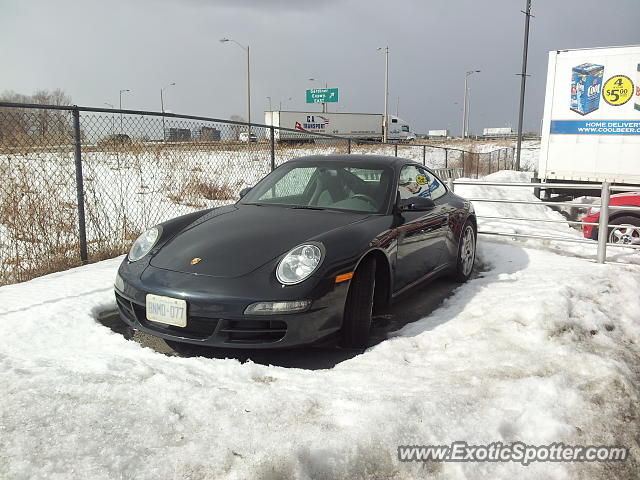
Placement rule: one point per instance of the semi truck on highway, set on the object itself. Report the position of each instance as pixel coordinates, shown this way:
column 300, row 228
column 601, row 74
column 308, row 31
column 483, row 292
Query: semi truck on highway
column 361, row 126
column 591, row 124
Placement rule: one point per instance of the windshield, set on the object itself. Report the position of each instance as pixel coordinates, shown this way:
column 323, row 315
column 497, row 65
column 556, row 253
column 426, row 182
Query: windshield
column 325, row 185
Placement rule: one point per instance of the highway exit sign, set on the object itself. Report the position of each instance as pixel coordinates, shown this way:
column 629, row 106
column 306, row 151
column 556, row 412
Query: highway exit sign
column 322, row 95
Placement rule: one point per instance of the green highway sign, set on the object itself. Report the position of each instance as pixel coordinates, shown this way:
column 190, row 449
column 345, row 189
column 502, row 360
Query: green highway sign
column 322, row 95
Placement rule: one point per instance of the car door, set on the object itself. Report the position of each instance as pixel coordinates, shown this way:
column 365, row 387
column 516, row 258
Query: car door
column 421, row 235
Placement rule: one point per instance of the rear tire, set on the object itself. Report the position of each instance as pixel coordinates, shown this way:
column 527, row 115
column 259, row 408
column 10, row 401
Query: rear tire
column 357, row 311
column 466, row 253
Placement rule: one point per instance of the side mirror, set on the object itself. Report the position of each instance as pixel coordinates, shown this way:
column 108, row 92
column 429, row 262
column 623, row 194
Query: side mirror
column 416, row 204
column 244, row 191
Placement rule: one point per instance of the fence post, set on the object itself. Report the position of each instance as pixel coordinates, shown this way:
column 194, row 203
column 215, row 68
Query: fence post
column 479, row 156
column 82, row 229
column 273, row 147
column 603, row 223
column 446, row 158
column 490, row 158
column 464, row 168
column 349, row 146
column 424, row 155
column 450, row 183
column 395, row 148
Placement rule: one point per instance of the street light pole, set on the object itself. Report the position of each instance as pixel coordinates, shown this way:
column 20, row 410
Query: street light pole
column 164, row 134
column 113, row 124
column 465, row 109
column 326, row 86
column 523, row 82
column 224, row 40
column 121, row 92
column 385, row 119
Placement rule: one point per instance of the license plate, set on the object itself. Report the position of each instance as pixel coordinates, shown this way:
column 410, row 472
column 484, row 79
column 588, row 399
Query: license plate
column 167, row 310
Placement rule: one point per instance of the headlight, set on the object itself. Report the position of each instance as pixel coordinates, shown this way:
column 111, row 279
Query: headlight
column 298, row 264
column 144, row 244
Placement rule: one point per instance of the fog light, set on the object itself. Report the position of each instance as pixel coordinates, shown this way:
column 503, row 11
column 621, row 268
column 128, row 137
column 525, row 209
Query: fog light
column 275, row 308
column 119, row 283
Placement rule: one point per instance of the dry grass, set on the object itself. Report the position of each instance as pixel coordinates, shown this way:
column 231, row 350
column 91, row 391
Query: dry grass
column 193, row 190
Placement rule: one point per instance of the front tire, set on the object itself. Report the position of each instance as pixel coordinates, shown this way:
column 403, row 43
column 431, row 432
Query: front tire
column 466, row 253
column 626, row 231
column 357, row 311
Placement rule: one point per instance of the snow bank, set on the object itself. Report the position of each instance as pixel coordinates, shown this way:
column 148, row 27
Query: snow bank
column 539, row 348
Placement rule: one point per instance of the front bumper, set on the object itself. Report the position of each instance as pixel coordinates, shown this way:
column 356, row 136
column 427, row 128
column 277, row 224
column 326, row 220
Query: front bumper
column 215, row 309
column 590, row 231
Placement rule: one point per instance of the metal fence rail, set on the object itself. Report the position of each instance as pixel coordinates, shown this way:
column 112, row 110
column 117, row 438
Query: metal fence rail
column 603, row 224
column 81, row 183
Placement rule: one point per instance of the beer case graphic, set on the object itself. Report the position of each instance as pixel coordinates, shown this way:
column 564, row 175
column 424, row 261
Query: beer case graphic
column 586, row 86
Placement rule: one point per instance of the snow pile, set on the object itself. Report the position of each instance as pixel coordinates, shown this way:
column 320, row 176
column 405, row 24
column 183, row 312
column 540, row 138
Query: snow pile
column 540, row 348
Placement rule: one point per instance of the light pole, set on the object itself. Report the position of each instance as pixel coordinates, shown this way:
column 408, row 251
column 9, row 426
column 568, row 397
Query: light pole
column 164, row 134
column 288, row 99
column 121, row 92
column 523, row 83
column 465, row 107
column 385, row 119
column 270, row 112
column 326, row 85
column 224, row 40
column 113, row 125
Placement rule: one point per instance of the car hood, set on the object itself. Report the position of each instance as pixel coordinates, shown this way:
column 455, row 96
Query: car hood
column 237, row 240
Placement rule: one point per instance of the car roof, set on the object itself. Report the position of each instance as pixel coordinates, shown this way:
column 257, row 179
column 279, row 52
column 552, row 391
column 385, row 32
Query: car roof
column 373, row 160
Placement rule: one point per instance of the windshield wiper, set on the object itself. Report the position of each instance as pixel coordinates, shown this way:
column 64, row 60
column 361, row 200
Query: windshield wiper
column 307, row 207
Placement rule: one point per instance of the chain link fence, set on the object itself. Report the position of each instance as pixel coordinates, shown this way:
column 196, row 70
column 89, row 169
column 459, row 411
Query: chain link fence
column 80, row 184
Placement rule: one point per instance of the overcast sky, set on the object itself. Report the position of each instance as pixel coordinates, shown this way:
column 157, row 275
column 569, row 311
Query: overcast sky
column 92, row 49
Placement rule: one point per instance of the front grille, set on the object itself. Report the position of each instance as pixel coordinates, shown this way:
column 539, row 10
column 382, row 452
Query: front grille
column 197, row 328
column 253, row 331
column 125, row 307
column 201, row 328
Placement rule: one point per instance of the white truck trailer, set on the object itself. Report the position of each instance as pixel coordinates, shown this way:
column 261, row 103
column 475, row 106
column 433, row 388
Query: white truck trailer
column 497, row 132
column 438, row 133
column 591, row 125
column 361, row 126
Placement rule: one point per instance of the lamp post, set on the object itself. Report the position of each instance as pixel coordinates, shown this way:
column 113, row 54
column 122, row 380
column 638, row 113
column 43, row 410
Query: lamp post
column 224, row 40
column 385, row 119
column 121, row 92
column 523, row 81
column 113, row 125
column 465, row 106
column 288, row 99
column 326, row 85
column 270, row 111
column 164, row 134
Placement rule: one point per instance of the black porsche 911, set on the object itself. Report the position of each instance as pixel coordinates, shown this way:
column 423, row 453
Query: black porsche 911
column 305, row 254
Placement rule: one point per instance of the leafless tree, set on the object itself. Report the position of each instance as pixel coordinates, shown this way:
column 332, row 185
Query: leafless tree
column 29, row 126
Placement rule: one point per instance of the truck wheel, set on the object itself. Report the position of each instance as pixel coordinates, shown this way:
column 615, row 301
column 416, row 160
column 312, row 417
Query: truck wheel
column 466, row 253
column 357, row 311
column 626, row 231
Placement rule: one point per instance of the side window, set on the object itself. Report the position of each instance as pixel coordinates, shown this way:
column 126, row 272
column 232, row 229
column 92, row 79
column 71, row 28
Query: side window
column 436, row 187
column 419, row 182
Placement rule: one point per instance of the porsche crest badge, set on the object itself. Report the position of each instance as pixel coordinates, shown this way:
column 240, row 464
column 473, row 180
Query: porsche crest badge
column 195, row 260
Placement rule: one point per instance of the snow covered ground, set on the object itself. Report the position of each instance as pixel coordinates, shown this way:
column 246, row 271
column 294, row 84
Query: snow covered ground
column 539, row 348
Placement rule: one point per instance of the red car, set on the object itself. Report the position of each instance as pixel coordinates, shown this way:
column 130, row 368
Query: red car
column 627, row 223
